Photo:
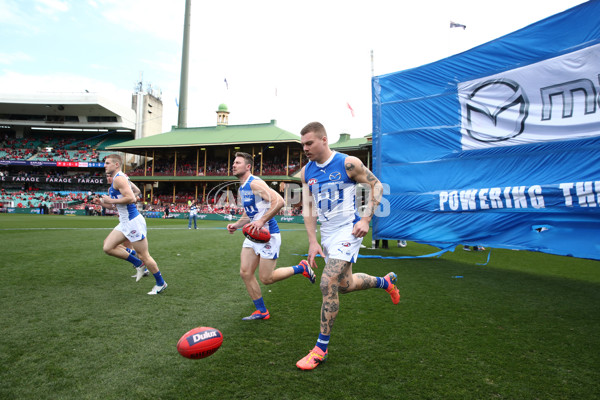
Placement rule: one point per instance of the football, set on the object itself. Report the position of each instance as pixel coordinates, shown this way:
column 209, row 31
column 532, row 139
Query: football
column 261, row 236
column 200, row 342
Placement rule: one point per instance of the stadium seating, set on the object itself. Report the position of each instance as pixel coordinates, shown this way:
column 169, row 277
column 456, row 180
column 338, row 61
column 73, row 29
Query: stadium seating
column 112, row 140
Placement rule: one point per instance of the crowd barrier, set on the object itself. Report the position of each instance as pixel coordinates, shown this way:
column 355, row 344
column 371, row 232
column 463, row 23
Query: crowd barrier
column 160, row 214
column 217, row 217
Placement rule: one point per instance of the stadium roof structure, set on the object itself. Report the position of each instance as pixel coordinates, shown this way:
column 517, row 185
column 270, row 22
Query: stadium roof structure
column 266, row 133
column 65, row 111
column 345, row 143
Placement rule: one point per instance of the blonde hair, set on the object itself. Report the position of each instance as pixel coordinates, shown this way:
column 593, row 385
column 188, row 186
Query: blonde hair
column 116, row 158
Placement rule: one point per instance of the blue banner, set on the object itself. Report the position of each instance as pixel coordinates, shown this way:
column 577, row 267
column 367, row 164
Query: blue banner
column 497, row 146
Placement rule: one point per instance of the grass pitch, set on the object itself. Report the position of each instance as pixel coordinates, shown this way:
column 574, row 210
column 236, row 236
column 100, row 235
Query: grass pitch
column 75, row 325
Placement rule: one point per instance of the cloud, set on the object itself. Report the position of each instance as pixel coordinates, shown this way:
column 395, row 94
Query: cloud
column 51, row 7
column 9, row 10
column 11, row 15
column 10, row 58
column 101, row 67
column 14, row 82
column 171, row 65
column 158, row 18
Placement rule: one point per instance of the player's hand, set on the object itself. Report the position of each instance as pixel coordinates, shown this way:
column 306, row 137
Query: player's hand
column 231, row 228
column 314, row 250
column 361, row 228
column 255, row 226
column 104, row 200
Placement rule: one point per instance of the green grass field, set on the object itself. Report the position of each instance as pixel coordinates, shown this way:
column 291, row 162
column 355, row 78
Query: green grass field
column 75, row 325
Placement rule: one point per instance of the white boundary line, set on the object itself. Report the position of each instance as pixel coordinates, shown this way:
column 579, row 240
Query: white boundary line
column 148, row 228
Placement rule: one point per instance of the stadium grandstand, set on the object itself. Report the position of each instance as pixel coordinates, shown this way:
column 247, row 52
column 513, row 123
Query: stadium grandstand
column 52, row 151
column 195, row 163
column 52, row 146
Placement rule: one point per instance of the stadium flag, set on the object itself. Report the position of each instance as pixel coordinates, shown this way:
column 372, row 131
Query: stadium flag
column 226, row 84
column 455, row 25
column 497, row 146
column 350, row 108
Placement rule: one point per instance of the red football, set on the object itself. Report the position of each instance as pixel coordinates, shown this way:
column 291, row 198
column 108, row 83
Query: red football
column 200, row 342
column 261, row 236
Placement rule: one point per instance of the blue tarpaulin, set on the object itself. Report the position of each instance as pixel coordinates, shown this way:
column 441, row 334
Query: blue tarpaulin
column 497, row 146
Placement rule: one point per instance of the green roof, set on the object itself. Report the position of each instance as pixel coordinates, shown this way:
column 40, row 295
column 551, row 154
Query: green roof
column 347, row 143
column 212, row 136
column 217, row 178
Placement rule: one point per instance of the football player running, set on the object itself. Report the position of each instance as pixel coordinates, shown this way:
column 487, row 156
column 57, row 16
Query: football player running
column 131, row 255
column 132, row 225
column 328, row 191
column 261, row 204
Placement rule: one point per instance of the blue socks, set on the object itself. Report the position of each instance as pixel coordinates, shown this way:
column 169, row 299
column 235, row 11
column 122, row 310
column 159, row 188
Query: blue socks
column 298, row 269
column 322, row 342
column 130, row 251
column 159, row 279
column 382, row 283
column 134, row 260
column 260, row 305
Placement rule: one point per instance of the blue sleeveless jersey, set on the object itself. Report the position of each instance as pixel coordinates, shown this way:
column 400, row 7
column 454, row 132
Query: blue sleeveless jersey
column 255, row 206
column 334, row 193
column 126, row 212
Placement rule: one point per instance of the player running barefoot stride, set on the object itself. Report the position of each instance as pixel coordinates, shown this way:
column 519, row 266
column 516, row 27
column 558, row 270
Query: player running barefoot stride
column 132, row 225
column 328, row 189
column 261, row 204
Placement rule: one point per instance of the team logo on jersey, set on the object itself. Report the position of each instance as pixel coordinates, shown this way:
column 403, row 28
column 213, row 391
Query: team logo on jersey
column 267, row 246
column 346, row 244
column 335, row 176
column 312, row 181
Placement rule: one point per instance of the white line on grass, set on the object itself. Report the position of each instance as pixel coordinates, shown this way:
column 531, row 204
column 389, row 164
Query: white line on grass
column 91, row 229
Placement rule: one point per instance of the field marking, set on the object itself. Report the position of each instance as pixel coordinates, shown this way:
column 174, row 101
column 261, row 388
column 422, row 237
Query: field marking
column 73, row 228
column 149, row 228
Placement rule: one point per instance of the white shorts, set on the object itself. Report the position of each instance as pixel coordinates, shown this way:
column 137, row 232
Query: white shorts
column 342, row 245
column 269, row 250
column 134, row 229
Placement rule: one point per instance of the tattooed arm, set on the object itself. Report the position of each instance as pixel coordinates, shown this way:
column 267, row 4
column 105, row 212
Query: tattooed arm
column 361, row 174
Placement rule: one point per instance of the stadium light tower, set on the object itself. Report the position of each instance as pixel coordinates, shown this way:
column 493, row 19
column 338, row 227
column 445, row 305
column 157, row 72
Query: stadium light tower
column 183, row 83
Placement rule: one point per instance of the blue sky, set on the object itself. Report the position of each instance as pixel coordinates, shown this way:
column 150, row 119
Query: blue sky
column 292, row 61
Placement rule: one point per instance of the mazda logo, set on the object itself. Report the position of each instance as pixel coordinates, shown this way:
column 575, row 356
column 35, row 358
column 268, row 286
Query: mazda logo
column 335, row 176
column 496, row 110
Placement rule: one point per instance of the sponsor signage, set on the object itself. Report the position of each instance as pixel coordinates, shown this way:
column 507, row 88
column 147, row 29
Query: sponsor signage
column 497, row 146
column 74, row 164
column 96, row 180
column 551, row 100
column 201, row 337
